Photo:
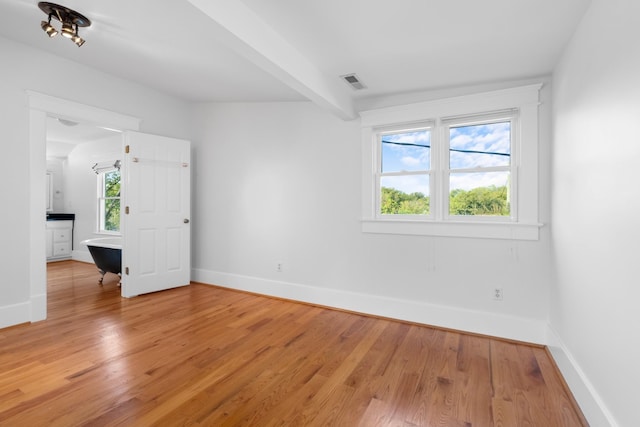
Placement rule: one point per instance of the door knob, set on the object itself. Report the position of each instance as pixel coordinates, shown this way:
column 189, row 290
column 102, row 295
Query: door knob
column 186, row 221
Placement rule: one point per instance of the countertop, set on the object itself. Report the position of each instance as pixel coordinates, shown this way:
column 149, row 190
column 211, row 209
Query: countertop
column 51, row 216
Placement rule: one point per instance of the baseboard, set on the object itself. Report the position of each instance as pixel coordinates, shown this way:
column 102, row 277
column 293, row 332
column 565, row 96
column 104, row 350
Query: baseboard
column 38, row 307
column 509, row 327
column 583, row 391
column 15, row 314
column 84, row 256
column 35, row 309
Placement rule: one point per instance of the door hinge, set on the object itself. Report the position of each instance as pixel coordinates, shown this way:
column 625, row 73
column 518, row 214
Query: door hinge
column 126, row 271
column 126, row 149
column 126, row 210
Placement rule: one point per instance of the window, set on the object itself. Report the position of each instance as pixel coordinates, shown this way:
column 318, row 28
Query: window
column 463, row 167
column 479, row 169
column 405, row 172
column 109, row 201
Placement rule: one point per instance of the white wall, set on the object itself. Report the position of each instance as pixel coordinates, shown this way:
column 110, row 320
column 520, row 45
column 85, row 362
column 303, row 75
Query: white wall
column 596, row 200
column 280, row 183
column 81, row 187
column 32, row 69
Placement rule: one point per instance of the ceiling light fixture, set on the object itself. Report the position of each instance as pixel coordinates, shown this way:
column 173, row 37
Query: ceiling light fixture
column 70, row 20
column 67, row 122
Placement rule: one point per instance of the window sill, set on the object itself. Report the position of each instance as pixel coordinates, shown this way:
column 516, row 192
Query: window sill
column 478, row 230
column 108, row 233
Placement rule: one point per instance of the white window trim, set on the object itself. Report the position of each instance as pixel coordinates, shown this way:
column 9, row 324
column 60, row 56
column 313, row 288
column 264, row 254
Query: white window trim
column 100, row 190
column 446, row 123
column 378, row 166
column 523, row 227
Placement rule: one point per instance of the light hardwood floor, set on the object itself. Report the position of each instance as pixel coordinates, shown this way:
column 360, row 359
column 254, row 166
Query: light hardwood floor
column 203, row 355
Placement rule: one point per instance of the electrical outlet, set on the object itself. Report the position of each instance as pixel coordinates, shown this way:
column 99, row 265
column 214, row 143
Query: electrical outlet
column 498, row 294
column 279, row 267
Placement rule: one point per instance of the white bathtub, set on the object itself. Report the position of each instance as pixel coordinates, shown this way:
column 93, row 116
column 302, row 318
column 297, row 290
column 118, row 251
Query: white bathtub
column 104, row 242
column 106, row 253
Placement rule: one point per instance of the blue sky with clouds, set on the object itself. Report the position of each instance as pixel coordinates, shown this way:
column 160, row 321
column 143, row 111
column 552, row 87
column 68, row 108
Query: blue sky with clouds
column 492, row 138
column 398, row 158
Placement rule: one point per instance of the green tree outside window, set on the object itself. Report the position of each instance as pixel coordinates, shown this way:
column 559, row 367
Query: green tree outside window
column 110, row 202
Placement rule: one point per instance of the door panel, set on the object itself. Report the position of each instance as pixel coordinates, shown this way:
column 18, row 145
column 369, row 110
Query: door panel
column 156, row 191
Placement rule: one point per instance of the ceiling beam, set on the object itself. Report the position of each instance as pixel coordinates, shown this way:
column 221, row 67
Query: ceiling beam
column 247, row 34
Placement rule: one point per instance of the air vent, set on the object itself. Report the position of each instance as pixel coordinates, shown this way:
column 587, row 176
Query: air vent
column 353, row 81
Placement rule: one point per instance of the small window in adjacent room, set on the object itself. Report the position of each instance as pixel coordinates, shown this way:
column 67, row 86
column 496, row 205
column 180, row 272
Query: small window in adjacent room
column 109, row 201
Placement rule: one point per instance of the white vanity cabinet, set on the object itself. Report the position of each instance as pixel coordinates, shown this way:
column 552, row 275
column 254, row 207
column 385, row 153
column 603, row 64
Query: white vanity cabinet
column 59, row 239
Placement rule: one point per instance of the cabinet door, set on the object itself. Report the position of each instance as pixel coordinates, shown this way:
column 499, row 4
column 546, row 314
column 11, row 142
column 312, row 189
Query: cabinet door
column 61, row 235
column 59, row 239
column 62, row 249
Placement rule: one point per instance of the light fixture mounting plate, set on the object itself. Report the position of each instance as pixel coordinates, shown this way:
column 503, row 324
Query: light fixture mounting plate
column 64, row 14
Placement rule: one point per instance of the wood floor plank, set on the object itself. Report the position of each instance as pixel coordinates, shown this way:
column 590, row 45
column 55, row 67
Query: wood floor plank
column 556, row 402
column 504, row 413
column 472, row 393
column 377, row 414
column 207, row 356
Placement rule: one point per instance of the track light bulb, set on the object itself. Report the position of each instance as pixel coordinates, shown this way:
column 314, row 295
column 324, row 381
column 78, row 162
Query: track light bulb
column 48, row 28
column 67, row 30
column 77, row 40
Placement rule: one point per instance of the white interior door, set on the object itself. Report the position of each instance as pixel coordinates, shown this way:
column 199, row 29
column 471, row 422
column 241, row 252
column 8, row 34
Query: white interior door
column 155, row 212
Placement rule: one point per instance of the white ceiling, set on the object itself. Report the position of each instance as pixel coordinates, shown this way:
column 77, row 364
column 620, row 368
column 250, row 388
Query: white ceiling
column 284, row 50
column 64, row 135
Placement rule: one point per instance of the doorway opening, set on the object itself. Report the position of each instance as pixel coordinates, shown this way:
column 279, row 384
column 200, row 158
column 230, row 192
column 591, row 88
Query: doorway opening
column 41, row 107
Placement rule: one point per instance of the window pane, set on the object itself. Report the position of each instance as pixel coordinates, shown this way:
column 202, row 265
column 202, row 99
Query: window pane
column 112, row 184
column 112, row 215
column 478, row 146
column 109, row 201
column 406, row 151
column 481, row 193
column 404, row 195
column 101, row 211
